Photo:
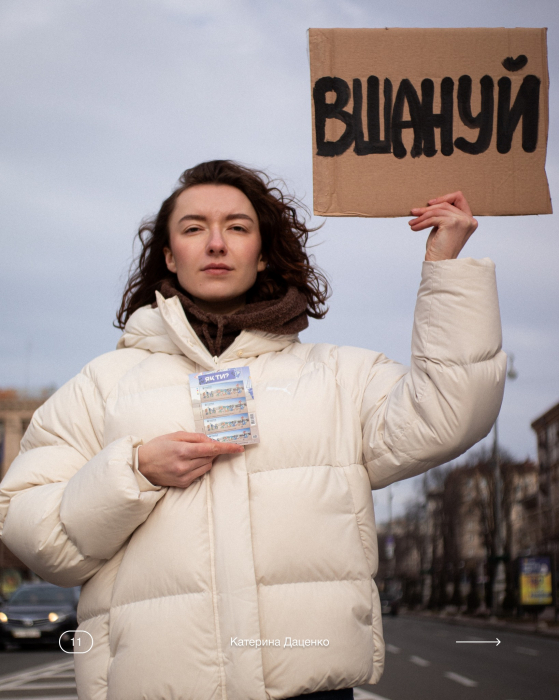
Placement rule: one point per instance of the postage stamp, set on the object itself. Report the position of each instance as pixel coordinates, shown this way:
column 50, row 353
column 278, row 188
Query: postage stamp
column 224, row 406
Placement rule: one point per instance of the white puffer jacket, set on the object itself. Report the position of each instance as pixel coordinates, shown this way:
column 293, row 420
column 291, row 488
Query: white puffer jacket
column 185, row 591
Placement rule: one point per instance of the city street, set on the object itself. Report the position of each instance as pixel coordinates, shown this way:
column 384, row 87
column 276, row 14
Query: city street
column 37, row 675
column 423, row 660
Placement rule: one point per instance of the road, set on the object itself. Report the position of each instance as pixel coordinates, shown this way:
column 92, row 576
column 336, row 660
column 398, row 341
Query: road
column 423, row 660
column 37, row 675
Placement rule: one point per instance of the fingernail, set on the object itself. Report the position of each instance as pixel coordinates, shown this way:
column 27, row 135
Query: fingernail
column 414, row 210
column 431, row 201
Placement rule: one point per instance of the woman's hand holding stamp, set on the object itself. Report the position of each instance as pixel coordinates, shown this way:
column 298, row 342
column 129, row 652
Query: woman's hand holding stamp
column 179, row 458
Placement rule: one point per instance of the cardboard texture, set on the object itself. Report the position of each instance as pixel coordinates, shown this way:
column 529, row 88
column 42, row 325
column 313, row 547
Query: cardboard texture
column 401, row 116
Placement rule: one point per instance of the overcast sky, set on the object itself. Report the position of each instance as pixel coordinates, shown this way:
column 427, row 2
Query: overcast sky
column 104, row 104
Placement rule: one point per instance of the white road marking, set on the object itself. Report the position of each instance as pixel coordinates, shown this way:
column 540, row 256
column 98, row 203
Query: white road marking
column 47, row 686
column 392, row 649
column 54, row 676
column 418, row 661
column 468, row 682
column 43, row 671
column 64, row 674
column 360, row 694
column 527, row 651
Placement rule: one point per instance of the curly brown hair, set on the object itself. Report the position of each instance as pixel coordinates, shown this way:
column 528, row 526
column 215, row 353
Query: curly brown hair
column 284, row 238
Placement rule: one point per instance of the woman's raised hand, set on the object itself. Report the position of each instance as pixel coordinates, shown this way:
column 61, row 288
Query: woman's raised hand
column 452, row 222
column 179, row 458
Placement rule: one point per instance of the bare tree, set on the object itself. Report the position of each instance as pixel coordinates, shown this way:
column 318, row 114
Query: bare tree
column 454, row 530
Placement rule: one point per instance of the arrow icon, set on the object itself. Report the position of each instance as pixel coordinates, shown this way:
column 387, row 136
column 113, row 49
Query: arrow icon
column 495, row 641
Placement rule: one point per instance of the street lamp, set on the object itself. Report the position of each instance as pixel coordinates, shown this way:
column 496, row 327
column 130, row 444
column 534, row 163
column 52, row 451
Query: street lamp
column 511, row 372
column 499, row 579
column 389, row 541
column 425, row 568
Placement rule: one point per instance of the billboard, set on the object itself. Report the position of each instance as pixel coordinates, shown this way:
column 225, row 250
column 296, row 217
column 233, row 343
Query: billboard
column 536, row 586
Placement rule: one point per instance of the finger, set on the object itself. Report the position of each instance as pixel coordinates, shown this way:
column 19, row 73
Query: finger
column 198, row 462
column 433, row 221
column 187, row 479
column 213, row 448
column 195, row 473
column 180, row 472
column 449, row 214
column 456, row 198
column 227, row 447
column 443, row 206
column 183, row 436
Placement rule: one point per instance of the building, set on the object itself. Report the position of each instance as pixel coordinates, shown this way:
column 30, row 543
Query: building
column 444, row 547
column 520, row 482
column 546, row 428
column 16, row 410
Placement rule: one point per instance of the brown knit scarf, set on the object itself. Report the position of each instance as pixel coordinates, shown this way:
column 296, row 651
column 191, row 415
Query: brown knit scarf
column 281, row 316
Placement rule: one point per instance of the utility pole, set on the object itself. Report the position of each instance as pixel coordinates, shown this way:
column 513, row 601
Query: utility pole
column 427, row 577
column 499, row 577
column 390, row 545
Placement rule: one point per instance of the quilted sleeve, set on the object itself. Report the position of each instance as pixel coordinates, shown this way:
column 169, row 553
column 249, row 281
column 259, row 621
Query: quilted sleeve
column 68, row 504
column 417, row 418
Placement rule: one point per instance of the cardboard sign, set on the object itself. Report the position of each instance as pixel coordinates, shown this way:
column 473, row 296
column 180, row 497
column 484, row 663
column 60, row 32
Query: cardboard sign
column 401, row 116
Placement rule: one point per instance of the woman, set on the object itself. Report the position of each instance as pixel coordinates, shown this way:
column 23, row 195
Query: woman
column 213, row 570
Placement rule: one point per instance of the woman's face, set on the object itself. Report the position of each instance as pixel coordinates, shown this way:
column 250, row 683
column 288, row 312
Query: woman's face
column 214, row 246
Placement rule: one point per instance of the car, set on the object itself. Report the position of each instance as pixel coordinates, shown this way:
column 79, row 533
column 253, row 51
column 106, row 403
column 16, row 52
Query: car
column 389, row 604
column 39, row 613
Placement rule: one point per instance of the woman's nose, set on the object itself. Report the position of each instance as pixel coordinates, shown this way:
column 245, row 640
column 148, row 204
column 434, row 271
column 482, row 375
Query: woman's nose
column 216, row 242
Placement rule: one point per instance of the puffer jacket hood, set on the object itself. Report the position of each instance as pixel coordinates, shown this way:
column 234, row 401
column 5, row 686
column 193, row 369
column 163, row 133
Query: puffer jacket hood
column 166, row 330
column 257, row 581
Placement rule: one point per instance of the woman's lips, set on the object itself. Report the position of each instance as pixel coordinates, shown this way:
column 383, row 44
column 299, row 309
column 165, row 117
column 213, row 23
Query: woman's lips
column 216, row 271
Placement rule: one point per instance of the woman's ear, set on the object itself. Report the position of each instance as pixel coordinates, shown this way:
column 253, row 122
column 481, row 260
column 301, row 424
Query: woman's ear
column 261, row 264
column 170, row 260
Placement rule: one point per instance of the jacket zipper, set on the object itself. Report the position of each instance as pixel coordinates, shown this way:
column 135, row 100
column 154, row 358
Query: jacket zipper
column 213, row 576
column 214, row 588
